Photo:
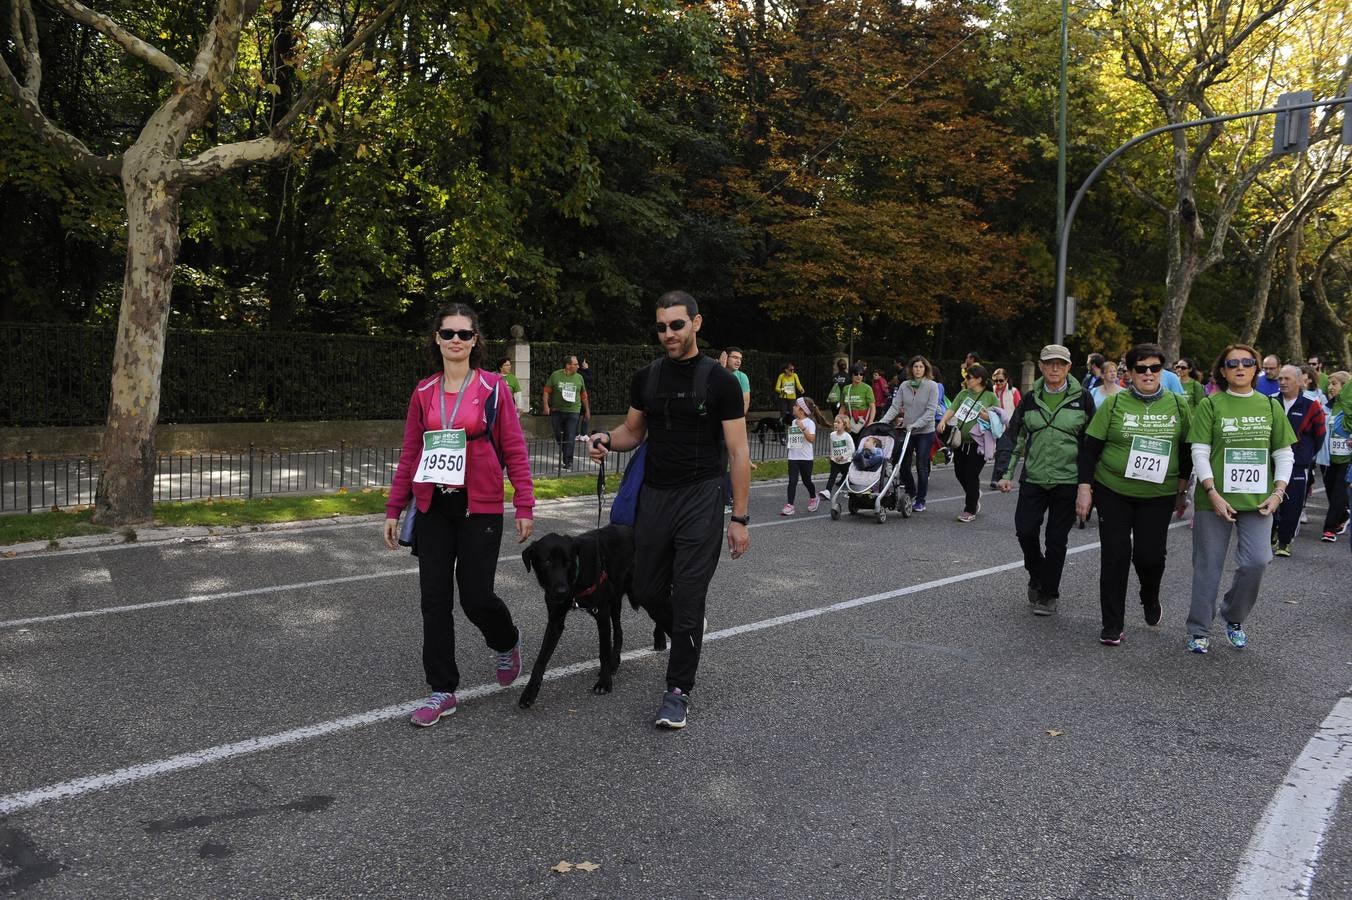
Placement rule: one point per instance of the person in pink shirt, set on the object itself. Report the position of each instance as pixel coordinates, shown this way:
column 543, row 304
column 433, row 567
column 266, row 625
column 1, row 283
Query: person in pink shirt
column 461, row 431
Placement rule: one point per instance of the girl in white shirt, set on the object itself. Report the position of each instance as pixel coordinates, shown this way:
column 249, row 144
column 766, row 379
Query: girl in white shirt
column 802, row 437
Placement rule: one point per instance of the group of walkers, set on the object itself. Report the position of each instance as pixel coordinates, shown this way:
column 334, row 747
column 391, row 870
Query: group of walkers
column 1123, row 442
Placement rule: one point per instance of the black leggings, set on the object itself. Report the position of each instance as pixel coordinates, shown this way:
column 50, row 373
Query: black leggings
column 800, row 469
column 967, row 465
column 1135, row 532
column 839, row 471
column 1335, row 489
column 451, row 543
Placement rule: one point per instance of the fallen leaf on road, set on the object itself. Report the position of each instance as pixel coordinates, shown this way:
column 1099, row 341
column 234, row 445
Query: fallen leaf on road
column 1054, row 733
column 588, row 866
column 561, row 866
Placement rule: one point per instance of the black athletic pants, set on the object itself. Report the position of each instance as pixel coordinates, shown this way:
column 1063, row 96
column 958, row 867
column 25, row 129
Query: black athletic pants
column 678, row 534
column 1288, row 514
column 801, row 469
column 451, row 543
column 1134, row 531
column 1057, row 504
column 839, row 472
column 1335, row 489
column 967, row 465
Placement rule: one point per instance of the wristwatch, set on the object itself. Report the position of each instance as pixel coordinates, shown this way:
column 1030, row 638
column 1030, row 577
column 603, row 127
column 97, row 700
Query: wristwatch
column 742, row 520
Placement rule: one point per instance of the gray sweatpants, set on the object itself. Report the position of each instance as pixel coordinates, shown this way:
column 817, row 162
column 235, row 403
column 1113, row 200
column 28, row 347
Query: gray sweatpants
column 1210, row 545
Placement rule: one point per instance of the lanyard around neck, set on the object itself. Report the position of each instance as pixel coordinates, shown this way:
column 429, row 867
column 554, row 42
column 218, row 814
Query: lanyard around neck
column 445, row 422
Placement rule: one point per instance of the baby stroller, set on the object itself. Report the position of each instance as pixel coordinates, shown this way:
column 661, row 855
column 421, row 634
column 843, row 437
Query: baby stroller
column 876, row 491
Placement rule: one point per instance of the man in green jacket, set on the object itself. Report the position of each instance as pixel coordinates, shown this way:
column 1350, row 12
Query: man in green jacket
column 1046, row 433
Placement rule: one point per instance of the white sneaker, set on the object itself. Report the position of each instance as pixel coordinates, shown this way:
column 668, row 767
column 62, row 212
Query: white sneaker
column 1304, row 518
column 825, row 495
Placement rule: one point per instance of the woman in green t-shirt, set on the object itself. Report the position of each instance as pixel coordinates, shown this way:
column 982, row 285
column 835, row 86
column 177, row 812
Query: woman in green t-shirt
column 1187, row 376
column 1134, row 453
column 1241, row 453
column 968, row 408
column 513, row 385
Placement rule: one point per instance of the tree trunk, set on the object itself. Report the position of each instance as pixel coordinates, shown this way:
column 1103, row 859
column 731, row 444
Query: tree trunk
column 1262, row 290
column 1185, row 256
column 1295, row 307
column 126, row 483
column 1321, row 298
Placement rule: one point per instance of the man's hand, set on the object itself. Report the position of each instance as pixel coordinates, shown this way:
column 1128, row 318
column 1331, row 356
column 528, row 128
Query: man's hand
column 392, row 534
column 1084, row 502
column 598, row 445
column 1005, row 485
column 524, row 527
column 739, row 539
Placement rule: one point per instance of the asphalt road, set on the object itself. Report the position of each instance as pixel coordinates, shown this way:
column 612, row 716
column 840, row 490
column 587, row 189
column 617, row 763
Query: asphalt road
column 930, row 740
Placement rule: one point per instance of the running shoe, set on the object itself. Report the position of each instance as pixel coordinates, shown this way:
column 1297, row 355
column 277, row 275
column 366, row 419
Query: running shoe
column 825, row 495
column 1305, row 518
column 1044, row 606
column 1342, row 529
column 671, row 714
column 508, row 662
column 966, row 517
column 813, row 504
column 1331, row 537
column 433, row 709
column 1152, row 613
column 788, row 510
column 919, row 506
column 1034, row 590
column 1282, row 550
column 1199, row 644
column 1235, row 632
column 1111, row 637
column 995, row 485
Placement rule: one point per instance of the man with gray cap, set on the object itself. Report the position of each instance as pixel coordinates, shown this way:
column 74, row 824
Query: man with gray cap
column 1046, row 433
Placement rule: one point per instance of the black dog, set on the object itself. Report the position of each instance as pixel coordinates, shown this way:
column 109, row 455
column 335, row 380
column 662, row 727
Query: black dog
column 592, row 571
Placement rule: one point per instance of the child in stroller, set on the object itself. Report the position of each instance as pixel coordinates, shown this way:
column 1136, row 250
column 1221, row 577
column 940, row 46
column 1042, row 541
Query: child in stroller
column 873, row 479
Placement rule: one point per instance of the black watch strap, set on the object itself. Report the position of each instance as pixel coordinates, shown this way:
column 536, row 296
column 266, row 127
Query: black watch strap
column 742, row 520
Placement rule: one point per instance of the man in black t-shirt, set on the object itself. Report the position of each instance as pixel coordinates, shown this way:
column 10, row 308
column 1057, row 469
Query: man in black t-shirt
column 679, row 525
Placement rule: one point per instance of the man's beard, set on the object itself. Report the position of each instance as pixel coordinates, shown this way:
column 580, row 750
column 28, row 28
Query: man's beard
column 683, row 348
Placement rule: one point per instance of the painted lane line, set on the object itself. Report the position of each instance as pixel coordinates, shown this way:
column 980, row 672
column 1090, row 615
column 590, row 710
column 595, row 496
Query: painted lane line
column 282, row 588
column 24, row 800
column 1283, row 855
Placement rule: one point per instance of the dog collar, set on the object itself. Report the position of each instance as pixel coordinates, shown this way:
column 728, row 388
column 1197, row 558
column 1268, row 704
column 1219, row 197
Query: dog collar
column 583, row 594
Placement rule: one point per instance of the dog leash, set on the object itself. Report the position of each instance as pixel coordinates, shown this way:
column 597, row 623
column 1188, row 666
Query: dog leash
column 600, row 485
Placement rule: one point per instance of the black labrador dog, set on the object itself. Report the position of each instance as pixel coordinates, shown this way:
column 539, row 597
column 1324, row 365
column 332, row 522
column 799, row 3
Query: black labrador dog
column 592, row 571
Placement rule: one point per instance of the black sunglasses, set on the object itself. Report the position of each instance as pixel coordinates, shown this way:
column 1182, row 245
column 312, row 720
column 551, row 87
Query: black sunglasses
column 1247, row 362
column 463, row 333
column 1143, row 368
column 674, row 325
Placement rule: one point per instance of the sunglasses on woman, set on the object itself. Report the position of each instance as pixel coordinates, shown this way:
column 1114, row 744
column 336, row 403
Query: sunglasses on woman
column 1142, row 368
column 1247, row 362
column 674, row 325
column 448, row 333
column 997, row 381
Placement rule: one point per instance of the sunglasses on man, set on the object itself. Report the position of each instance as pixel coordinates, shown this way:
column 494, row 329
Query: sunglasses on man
column 674, row 325
column 448, row 333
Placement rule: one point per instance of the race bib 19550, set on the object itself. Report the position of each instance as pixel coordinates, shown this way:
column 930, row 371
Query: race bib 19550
column 443, row 458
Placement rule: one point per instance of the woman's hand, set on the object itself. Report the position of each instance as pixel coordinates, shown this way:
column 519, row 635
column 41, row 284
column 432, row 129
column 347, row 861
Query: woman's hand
column 1221, row 507
column 1180, row 504
column 1084, row 502
column 392, row 534
column 524, row 527
column 1269, row 506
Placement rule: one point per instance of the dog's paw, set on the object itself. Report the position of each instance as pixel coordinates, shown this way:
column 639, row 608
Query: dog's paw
column 602, row 686
column 528, row 697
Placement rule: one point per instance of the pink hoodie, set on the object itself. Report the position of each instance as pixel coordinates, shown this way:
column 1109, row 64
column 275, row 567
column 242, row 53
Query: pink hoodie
column 483, row 473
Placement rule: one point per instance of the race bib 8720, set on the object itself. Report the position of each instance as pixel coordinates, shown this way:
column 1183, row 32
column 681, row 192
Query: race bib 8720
column 1244, row 471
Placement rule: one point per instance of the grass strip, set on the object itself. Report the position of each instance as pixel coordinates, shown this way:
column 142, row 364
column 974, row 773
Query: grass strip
column 66, row 523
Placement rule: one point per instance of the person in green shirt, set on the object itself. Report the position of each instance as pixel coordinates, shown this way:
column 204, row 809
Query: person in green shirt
column 1241, row 453
column 564, row 400
column 1136, row 456
column 857, row 400
column 966, row 410
column 513, row 385
column 1193, row 389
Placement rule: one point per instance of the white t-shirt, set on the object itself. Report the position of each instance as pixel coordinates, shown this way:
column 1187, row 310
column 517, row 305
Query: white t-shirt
column 799, row 448
column 842, row 447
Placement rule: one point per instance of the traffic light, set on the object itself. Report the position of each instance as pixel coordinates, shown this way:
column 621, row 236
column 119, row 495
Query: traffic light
column 1347, row 123
column 1292, row 132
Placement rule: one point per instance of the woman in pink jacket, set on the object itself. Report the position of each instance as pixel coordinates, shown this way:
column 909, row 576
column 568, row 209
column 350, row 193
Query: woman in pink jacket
column 461, row 431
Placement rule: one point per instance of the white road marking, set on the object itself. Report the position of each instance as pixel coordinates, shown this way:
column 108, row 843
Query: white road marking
column 295, row 586
column 1282, row 856
column 23, row 800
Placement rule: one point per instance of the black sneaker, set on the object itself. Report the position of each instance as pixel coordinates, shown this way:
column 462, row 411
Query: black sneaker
column 1045, row 606
column 1110, row 637
column 671, row 714
column 1034, row 590
column 1152, row 612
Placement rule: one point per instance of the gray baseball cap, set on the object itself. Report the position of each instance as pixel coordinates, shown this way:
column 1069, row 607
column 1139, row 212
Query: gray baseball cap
column 1055, row 351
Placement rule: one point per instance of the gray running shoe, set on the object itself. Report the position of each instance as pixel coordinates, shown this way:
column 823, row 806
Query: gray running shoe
column 671, row 714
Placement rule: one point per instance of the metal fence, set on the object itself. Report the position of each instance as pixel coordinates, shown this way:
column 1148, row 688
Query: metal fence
column 31, row 483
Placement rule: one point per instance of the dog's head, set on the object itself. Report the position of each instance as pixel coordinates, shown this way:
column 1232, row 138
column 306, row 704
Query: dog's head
column 554, row 559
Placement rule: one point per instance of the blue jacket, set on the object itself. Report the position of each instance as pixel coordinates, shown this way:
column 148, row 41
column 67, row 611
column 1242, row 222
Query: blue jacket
column 1308, row 422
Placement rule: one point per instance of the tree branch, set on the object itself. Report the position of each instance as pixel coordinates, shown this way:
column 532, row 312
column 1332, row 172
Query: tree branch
column 148, row 54
column 320, row 85
column 25, row 29
column 26, row 102
column 217, row 161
